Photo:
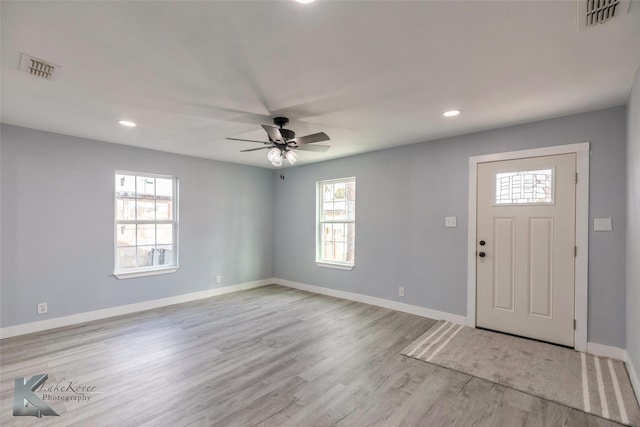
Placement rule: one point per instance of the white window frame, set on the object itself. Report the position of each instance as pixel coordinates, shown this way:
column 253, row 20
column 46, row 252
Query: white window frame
column 319, row 226
column 128, row 273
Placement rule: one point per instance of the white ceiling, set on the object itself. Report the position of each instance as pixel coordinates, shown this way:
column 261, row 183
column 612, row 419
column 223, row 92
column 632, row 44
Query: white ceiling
column 370, row 74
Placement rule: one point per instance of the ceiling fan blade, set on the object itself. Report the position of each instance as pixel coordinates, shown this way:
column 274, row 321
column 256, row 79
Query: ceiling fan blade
column 317, row 148
column 314, row 137
column 273, row 132
column 248, row 140
column 255, row 149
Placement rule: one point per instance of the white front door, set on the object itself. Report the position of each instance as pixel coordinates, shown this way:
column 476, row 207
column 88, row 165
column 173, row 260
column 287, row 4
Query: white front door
column 525, row 247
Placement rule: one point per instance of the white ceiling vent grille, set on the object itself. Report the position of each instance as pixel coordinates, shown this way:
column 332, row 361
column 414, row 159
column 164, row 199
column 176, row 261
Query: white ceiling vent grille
column 37, row 67
column 600, row 11
column 596, row 12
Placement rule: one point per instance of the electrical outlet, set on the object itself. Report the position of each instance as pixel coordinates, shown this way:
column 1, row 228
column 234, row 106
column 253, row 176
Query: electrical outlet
column 42, row 308
column 218, row 279
column 401, row 291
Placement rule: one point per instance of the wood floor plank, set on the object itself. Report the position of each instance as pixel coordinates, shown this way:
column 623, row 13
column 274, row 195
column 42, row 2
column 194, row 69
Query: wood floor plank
column 270, row 356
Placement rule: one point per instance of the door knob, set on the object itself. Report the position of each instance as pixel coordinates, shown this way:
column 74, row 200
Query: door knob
column 482, row 254
column 482, row 243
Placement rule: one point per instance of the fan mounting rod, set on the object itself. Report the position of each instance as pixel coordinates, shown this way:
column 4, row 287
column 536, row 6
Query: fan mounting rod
column 280, row 121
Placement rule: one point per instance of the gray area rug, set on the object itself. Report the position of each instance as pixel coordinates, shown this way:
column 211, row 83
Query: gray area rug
column 589, row 383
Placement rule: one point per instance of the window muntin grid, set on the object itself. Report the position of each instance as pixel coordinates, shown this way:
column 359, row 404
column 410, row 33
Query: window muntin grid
column 336, row 221
column 145, row 222
column 524, row 187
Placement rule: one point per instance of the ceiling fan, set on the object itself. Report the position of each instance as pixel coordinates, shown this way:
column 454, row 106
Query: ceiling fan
column 282, row 142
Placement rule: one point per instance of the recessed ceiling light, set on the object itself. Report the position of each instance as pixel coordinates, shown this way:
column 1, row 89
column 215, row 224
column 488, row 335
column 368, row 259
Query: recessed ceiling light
column 127, row 123
column 304, row 1
column 451, row 113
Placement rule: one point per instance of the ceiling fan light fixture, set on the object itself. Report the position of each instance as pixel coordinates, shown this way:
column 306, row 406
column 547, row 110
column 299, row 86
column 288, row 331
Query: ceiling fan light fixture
column 283, row 142
column 291, row 156
column 274, row 154
column 275, row 157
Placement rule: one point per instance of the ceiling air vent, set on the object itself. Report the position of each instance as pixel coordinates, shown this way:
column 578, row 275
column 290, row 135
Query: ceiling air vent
column 596, row 12
column 37, row 67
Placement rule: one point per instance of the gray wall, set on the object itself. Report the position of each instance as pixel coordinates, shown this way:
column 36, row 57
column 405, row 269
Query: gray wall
column 404, row 194
column 57, row 221
column 57, row 224
column 633, row 225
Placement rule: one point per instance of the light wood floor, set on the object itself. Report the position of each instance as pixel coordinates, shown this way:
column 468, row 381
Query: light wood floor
column 269, row 356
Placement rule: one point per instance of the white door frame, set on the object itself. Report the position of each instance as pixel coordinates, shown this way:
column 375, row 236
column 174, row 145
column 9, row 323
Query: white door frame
column 582, row 229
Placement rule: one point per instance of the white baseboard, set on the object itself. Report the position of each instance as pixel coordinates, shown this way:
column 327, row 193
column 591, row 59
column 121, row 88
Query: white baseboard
column 379, row 302
column 605, row 351
column 59, row 322
column 633, row 374
column 592, row 348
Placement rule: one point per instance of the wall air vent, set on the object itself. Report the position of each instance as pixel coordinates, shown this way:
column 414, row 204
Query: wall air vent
column 597, row 12
column 38, row 67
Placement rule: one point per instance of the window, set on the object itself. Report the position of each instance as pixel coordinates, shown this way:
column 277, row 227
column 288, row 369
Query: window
column 524, row 187
column 336, row 223
column 146, row 224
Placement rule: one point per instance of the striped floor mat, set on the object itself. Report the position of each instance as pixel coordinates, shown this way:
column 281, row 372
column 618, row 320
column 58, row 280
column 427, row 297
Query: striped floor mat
column 589, row 383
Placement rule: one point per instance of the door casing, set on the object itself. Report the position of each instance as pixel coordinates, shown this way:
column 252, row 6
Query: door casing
column 582, row 229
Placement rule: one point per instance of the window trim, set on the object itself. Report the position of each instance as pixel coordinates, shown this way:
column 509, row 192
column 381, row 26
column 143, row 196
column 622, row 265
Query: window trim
column 323, row 262
column 143, row 271
column 150, row 270
column 335, row 265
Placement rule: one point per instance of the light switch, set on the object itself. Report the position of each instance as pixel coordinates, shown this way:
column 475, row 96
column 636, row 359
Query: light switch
column 602, row 224
column 450, row 221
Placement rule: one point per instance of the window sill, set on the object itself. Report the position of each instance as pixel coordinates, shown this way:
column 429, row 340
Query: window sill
column 141, row 273
column 336, row 266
